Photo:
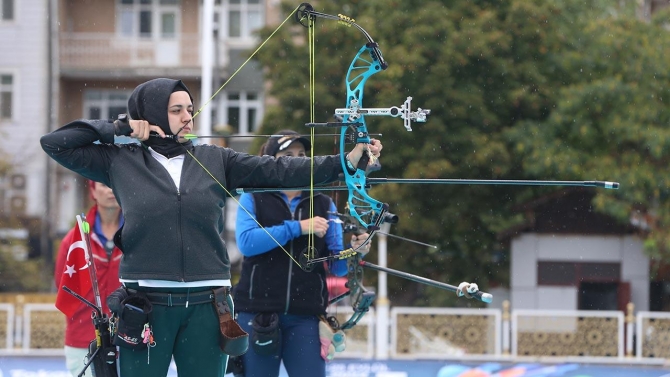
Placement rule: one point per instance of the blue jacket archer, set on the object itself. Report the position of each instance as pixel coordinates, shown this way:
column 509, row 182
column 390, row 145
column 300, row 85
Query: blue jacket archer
column 271, row 281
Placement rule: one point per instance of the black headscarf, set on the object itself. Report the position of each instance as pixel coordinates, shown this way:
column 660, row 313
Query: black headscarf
column 149, row 101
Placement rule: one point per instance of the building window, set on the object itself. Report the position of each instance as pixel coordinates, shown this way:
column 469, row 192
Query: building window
column 240, row 111
column 575, row 273
column 148, row 18
column 6, row 96
column 7, row 10
column 105, row 104
column 242, row 17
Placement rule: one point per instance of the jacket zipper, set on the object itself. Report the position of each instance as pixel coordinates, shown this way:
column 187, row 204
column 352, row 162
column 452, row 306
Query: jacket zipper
column 322, row 288
column 290, row 261
column 179, row 237
column 251, row 284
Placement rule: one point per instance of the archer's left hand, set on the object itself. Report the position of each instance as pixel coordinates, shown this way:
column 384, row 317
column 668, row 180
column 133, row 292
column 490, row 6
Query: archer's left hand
column 357, row 240
column 375, row 148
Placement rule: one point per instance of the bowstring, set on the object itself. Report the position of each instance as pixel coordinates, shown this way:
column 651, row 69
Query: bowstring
column 241, row 206
column 245, row 62
column 312, row 60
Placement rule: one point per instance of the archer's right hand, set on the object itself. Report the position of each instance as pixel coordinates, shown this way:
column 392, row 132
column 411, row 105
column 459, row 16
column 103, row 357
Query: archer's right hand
column 319, row 226
column 142, row 129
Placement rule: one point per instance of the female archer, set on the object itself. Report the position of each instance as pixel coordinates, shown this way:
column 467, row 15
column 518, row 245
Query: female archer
column 172, row 194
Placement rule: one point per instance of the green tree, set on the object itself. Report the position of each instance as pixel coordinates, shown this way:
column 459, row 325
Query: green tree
column 518, row 90
column 20, row 276
column 611, row 120
column 16, row 273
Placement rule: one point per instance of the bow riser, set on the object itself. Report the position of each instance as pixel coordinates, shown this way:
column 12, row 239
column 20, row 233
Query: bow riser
column 362, row 207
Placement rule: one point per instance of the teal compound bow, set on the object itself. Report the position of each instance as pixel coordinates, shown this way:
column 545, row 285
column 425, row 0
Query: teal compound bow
column 371, row 213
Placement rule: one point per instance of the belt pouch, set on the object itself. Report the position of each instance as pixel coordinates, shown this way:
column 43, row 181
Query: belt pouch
column 265, row 336
column 233, row 340
column 134, row 315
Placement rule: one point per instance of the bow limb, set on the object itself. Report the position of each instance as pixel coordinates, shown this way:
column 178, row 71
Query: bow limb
column 361, row 298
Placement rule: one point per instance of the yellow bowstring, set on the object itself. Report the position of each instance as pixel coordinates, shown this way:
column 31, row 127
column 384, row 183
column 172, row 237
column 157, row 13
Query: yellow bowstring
column 245, row 62
column 241, row 206
column 311, row 40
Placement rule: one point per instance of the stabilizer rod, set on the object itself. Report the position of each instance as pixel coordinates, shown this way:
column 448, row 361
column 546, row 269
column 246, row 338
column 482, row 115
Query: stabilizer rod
column 477, row 295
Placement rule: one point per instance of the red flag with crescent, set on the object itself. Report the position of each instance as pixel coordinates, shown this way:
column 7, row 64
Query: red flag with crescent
column 75, row 274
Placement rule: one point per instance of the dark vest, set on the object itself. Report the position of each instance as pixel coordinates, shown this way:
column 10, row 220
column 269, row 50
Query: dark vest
column 272, row 282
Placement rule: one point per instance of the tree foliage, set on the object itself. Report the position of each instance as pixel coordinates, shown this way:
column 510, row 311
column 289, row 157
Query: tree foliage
column 21, row 276
column 610, row 119
column 16, row 274
column 518, row 90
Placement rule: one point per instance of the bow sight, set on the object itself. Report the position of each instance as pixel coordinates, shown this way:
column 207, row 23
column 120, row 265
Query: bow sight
column 405, row 112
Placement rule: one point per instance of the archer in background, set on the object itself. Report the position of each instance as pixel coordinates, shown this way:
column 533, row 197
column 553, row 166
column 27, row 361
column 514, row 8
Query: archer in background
column 278, row 303
column 106, row 218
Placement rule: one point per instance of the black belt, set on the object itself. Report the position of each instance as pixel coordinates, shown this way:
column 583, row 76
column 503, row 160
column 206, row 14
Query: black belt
column 178, row 299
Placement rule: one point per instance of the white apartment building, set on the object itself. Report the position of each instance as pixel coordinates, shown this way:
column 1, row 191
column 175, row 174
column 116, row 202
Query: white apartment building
column 72, row 59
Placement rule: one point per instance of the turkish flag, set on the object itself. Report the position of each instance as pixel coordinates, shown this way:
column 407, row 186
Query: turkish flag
column 76, row 275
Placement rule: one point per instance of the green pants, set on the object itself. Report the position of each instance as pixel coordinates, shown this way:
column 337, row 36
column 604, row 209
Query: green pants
column 190, row 334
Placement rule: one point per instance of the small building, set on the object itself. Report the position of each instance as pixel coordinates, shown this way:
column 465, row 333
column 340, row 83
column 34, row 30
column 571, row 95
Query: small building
column 567, row 256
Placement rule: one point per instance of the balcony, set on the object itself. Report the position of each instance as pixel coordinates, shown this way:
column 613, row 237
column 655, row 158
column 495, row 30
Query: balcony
column 103, row 55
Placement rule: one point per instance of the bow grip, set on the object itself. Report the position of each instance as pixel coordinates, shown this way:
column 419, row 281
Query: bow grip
column 365, row 165
column 363, row 161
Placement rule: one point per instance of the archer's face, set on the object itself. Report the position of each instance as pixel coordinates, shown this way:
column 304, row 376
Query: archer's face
column 294, row 150
column 180, row 113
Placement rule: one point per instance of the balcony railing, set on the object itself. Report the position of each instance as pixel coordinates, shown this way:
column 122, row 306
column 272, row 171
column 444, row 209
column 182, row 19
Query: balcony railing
column 94, row 51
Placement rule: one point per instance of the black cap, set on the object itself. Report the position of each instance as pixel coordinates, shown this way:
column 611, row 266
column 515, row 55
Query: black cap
column 284, row 139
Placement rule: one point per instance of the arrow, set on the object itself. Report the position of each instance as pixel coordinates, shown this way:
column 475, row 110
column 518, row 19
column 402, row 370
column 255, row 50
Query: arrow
column 504, row 182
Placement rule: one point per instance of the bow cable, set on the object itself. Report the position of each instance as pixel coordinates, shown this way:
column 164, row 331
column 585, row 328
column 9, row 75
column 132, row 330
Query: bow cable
column 245, row 62
column 212, row 175
column 311, row 37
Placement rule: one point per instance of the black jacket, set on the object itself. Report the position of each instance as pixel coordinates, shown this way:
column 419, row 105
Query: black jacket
column 173, row 233
column 273, row 282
